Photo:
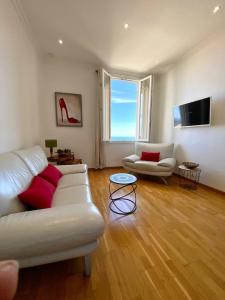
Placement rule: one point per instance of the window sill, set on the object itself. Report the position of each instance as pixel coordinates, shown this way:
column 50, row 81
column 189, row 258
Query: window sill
column 119, row 142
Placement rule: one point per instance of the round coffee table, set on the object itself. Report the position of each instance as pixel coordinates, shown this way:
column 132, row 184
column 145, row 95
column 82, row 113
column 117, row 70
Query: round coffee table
column 124, row 180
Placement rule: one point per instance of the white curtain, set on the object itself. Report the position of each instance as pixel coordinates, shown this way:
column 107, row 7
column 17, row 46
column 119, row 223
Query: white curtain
column 99, row 156
column 103, row 116
column 144, row 110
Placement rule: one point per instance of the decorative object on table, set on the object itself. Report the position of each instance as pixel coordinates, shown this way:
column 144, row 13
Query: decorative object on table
column 190, row 164
column 51, row 144
column 73, row 161
column 68, row 109
column 64, row 153
column 189, row 177
column 63, row 159
column 125, row 181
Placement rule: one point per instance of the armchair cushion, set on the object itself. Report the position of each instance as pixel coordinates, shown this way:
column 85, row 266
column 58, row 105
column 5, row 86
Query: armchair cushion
column 167, row 162
column 150, row 166
column 166, row 150
column 131, row 158
column 150, row 156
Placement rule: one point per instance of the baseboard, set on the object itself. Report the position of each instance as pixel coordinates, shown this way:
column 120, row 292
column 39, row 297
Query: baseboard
column 106, row 168
column 206, row 186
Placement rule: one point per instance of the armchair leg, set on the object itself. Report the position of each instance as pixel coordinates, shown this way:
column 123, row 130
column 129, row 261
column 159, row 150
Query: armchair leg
column 87, row 265
column 164, row 179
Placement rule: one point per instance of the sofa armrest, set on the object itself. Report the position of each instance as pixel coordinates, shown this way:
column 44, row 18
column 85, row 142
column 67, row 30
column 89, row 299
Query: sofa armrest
column 167, row 162
column 45, row 231
column 72, row 169
column 131, row 158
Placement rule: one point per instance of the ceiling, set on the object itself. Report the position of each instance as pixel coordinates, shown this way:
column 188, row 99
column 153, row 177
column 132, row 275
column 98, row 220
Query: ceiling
column 159, row 31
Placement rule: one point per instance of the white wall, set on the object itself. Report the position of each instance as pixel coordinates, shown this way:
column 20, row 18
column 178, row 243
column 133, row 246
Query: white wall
column 19, row 121
column 198, row 75
column 69, row 76
column 73, row 77
column 116, row 151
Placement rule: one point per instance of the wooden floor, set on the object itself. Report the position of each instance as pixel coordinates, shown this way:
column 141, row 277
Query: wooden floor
column 173, row 247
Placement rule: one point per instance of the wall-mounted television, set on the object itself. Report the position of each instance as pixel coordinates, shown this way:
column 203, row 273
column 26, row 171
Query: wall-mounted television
column 196, row 113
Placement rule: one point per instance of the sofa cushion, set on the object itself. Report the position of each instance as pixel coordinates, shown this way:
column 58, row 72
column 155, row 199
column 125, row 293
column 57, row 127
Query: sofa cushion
column 51, row 174
column 72, row 169
column 49, row 231
column 150, row 166
column 39, row 194
column 73, row 180
column 34, row 158
column 72, row 195
column 15, row 177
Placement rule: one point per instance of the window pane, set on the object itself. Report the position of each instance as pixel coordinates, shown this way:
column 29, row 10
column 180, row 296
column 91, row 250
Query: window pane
column 123, row 110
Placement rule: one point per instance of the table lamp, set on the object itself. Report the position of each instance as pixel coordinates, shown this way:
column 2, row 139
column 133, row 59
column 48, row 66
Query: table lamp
column 51, row 144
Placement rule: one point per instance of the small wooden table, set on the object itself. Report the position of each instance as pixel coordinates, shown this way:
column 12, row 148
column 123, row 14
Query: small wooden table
column 64, row 160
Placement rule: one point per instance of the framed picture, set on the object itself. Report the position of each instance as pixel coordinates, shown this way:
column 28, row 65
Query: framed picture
column 68, row 109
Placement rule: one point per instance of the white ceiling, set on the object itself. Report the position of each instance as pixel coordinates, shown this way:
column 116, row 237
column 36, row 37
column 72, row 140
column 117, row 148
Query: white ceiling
column 92, row 30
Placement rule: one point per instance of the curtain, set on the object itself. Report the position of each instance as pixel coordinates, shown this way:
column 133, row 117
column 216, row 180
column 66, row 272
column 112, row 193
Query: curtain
column 144, row 110
column 99, row 147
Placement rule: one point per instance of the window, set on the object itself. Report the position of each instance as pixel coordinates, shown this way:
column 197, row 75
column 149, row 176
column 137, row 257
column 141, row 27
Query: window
column 126, row 108
column 124, row 95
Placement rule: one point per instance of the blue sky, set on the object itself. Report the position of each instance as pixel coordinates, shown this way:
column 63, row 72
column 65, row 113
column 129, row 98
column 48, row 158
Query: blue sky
column 123, row 108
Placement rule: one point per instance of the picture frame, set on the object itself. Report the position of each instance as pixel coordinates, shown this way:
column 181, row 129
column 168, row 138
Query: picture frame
column 68, row 108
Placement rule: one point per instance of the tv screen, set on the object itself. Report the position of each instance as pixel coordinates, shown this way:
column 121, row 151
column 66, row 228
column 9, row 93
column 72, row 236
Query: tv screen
column 192, row 114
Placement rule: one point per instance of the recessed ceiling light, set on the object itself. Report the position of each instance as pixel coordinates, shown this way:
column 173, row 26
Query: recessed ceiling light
column 126, row 26
column 60, row 42
column 216, row 9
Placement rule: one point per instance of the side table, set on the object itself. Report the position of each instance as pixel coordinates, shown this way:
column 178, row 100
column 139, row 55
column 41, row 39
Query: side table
column 189, row 178
column 64, row 161
column 74, row 161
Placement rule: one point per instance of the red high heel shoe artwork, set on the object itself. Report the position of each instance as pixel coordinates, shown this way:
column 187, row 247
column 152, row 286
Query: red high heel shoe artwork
column 68, row 109
column 62, row 105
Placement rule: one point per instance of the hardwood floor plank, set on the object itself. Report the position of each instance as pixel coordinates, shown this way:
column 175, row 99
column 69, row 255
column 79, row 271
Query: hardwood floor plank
column 172, row 247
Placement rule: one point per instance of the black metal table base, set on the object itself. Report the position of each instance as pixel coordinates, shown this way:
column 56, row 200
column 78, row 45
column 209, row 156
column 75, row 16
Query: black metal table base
column 114, row 200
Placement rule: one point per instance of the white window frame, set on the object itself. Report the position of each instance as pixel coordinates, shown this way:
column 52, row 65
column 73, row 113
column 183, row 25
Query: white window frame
column 107, row 108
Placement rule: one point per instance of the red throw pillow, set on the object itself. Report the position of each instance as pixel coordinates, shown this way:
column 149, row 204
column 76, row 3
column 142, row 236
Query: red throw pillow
column 39, row 194
column 150, row 156
column 51, row 174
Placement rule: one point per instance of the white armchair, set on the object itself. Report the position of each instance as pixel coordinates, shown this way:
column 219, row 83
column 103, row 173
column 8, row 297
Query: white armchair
column 163, row 168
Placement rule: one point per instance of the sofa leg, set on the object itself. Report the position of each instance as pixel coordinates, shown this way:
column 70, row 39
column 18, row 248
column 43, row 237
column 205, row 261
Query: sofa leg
column 164, row 180
column 87, row 265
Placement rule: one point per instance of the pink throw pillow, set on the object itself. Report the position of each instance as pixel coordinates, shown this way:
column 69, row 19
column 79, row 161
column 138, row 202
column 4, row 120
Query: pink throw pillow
column 39, row 194
column 51, row 174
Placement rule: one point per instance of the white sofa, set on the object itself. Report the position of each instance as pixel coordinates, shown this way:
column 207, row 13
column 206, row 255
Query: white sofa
column 69, row 229
column 163, row 168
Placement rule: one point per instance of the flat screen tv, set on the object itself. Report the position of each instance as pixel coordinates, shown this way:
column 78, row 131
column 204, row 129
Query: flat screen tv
column 196, row 113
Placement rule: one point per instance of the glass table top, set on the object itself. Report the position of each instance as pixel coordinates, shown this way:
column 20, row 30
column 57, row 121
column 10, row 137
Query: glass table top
column 123, row 178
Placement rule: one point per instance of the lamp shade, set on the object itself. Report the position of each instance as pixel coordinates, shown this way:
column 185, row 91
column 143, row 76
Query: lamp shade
column 50, row 143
